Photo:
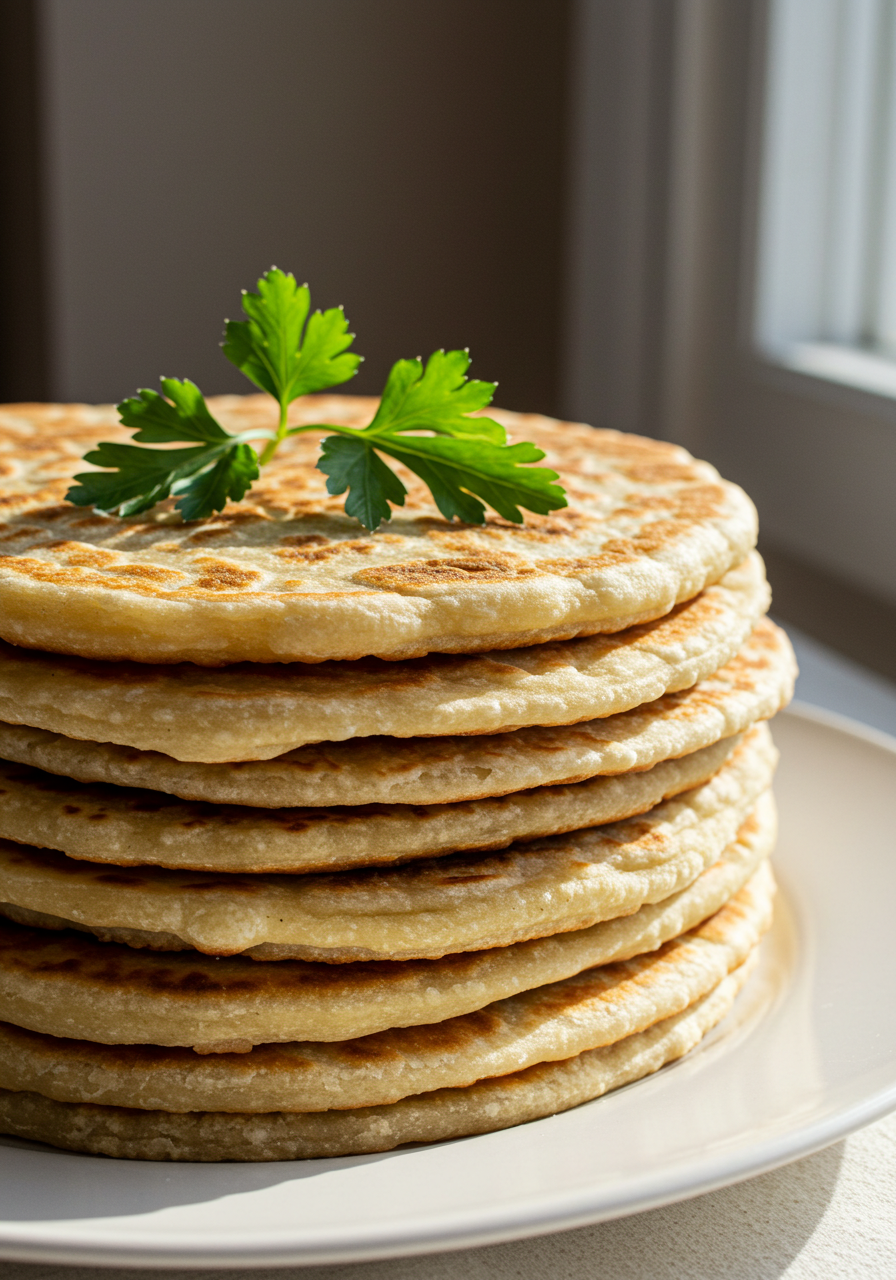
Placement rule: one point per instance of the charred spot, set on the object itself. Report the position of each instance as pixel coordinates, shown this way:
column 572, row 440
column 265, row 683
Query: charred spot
column 232, row 885
column 472, row 878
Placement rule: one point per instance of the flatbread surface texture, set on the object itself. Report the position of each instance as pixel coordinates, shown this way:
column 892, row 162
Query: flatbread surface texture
column 428, row 908
column 483, row 1107
column 754, row 685
column 286, row 576
column 256, row 712
column 66, row 984
column 125, row 827
column 552, row 1022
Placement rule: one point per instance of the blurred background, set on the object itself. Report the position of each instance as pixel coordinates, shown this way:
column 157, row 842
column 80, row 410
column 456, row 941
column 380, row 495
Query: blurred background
column 676, row 217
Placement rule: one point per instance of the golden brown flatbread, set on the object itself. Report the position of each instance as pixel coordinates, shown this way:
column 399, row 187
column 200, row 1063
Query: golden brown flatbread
column 286, row 576
column 483, row 1107
column 256, row 712
column 753, row 686
column 67, row 984
column 127, row 827
column 545, row 1024
column 428, row 908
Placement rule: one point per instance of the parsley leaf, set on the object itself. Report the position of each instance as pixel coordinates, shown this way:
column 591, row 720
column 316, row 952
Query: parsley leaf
column 436, row 399
column 269, row 347
column 230, row 477
column 465, row 460
column 350, row 464
column 183, row 416
column 221, row 466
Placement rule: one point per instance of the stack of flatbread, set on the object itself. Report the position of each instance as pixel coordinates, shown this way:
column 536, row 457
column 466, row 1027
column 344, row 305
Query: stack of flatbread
column 315, row 842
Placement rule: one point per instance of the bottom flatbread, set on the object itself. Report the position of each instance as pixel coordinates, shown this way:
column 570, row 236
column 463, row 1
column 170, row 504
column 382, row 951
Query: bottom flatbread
column 499, row 1103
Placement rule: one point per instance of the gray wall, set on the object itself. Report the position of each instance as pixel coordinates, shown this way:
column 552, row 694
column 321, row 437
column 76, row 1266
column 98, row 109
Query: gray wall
column 403, row 156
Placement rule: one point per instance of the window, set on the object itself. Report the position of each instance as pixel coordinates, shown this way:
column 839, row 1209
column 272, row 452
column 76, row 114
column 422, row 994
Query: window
column 826, row 289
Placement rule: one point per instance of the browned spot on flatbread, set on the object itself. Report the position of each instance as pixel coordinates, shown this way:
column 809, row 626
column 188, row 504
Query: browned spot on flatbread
column 147, row 572
column 660, row 472
column 25, row 531
column 80, row 555
column 469, row 570
column 304, row 540
column 699, row 502
column 205, row 535
column 59, row 512
column 220, row 575
column 313, row 552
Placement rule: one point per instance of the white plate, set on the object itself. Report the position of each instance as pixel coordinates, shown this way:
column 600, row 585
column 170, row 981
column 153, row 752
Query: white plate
column 808, row 1055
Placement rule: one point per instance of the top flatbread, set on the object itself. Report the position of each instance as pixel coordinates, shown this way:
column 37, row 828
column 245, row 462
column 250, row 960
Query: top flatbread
column 285, row 576
column 256, row 712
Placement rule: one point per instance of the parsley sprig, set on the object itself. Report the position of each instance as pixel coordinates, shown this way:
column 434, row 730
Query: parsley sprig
column 465, row 461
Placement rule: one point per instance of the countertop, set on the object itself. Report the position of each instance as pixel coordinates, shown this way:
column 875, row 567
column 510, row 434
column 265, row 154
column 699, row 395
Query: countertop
column 831, row 1215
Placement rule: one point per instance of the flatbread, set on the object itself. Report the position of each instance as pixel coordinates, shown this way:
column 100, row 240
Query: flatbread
column 176, row 998
column 550, row 1023
column 66, row 984
column 257, row 712
column 286, row 576
column 484, row 1107
column 127, row 827
column 753, row 686
column 429, row 908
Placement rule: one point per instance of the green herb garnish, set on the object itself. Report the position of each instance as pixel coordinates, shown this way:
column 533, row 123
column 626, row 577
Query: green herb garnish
column 288, row 353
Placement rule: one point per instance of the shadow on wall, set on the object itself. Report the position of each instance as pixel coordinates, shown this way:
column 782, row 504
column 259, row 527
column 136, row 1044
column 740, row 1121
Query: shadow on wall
column 406, row 159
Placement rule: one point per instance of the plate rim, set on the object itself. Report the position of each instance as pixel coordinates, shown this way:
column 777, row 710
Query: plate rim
column 537, row 1214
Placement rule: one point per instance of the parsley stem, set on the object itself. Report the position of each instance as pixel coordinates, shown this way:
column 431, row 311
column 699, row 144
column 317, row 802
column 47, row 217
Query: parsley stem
column 271, row 447
column 325, row 426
